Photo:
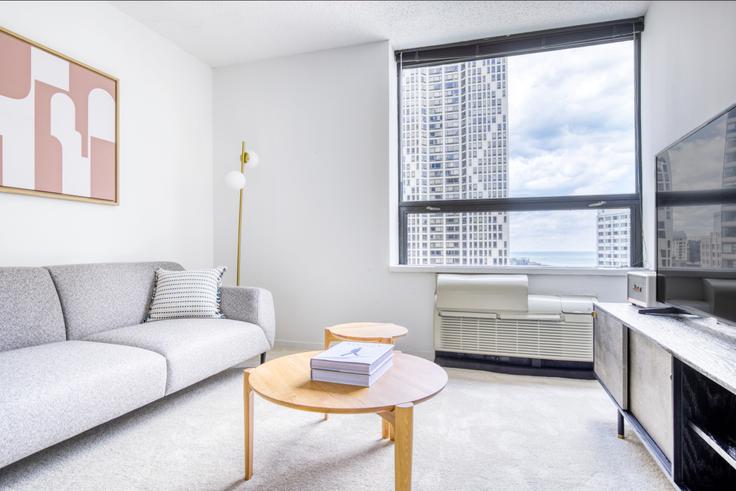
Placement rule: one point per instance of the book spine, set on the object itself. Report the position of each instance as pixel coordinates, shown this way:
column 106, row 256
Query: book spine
column 359, row 382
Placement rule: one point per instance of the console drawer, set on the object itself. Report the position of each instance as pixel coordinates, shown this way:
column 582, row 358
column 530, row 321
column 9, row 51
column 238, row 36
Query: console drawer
column 650, row 390
column 610, row 358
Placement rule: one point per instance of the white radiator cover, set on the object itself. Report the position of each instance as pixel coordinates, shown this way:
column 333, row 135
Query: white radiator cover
column 542, row 339
column 495, row 315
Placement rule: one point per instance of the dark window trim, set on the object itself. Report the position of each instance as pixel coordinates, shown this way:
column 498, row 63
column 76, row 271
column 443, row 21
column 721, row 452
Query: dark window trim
column 517, row 44
column 522, row 44
column 575, row 202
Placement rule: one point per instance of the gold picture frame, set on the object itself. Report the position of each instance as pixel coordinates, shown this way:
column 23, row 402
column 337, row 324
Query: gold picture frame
column 116, row 172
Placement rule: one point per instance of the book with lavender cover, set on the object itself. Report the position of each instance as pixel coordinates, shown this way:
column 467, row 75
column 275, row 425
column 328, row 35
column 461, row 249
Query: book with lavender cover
column 347, row 378
column 352, row 357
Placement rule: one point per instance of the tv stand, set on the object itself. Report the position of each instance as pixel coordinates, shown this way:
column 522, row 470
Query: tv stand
column 663, row 311
column 673, row 382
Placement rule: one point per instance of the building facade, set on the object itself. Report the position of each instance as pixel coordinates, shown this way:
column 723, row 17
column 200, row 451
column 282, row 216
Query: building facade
column 613, row 242
column 727, row 226
column 711, row 247
column 665, row 226
column 455, row 147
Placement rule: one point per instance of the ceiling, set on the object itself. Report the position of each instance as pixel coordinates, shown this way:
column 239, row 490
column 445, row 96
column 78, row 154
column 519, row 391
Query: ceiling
column 225, row 32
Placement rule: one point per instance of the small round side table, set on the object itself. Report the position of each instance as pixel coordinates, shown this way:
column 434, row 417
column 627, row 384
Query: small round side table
column 366, row 332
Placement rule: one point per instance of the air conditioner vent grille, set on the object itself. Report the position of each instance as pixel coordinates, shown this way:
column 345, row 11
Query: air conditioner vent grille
column 518, row 338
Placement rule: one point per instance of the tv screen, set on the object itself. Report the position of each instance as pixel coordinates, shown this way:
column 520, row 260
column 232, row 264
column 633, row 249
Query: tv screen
column 696, row 220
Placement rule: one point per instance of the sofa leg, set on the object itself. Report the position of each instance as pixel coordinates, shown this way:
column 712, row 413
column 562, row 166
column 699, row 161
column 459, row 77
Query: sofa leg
column 263, row 358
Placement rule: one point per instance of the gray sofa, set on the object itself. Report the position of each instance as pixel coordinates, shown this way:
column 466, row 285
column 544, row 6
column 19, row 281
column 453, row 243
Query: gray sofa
column 75, row 351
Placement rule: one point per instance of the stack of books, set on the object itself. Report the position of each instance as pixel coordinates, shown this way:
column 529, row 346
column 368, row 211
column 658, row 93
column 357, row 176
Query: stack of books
column 352, row 363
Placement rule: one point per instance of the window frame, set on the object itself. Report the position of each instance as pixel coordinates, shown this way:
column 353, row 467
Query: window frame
column 520, row 44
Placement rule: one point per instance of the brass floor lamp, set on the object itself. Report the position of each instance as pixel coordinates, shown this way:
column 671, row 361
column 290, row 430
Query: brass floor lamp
column 236, row 180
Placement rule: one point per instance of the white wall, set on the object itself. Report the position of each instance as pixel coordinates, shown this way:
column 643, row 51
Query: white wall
column 688, row 76
column 317, row 208
column 165, row 207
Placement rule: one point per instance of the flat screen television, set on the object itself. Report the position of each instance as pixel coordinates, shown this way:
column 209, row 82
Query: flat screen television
column 696, row 220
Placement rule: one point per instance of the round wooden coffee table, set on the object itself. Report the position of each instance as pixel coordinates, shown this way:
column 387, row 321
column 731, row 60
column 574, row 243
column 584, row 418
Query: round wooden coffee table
column 286, row 381
column 367, row 332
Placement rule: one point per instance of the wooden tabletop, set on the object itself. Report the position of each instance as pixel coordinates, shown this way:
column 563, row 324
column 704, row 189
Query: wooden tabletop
column 368, row 330
column 286, row 381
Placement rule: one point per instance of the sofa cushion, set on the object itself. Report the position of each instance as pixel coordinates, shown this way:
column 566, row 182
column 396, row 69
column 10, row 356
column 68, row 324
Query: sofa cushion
column 57, row 390
column 100, row 297
column 194, row 348
column 193, row 294
column 30, row 312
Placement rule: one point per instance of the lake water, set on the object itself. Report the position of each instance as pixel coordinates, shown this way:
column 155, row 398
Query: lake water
column 580, row 259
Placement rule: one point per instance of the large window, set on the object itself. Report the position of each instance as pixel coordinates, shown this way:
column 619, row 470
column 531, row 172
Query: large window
column 522, row 150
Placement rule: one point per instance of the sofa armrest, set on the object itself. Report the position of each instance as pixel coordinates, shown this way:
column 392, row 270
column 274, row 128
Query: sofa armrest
column 250, row 304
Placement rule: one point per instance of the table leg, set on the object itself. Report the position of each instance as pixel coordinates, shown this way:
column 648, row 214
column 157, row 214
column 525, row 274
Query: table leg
column 248, row 425
column 404, row 429
column 386, row 427
column 328, row 340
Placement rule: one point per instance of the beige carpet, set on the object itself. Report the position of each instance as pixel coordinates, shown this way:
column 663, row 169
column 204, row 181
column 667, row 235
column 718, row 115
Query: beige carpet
column 484, row 431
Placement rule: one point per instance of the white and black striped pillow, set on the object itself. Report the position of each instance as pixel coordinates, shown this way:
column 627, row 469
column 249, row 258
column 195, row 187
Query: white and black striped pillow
column 186, row 294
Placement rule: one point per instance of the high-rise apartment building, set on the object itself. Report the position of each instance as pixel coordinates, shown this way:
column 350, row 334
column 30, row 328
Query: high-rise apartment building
column 613, row 240
column 727, row 223
column 455, row 147
column 711, row 246
column 679, row 249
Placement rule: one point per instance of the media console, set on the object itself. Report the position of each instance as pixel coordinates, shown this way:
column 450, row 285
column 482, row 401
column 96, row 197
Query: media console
column 673, row 380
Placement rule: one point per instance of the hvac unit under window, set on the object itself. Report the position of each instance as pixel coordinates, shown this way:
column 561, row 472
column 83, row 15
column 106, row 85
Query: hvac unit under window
column 494, row 315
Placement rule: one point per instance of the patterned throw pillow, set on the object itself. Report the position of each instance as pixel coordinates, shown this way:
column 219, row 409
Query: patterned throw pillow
column 186, row 294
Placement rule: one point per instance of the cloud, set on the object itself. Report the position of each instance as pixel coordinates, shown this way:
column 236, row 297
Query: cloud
column 571, row 121
column 571, row 132
column 695, row 221
column 697, row 163
column 572, row 230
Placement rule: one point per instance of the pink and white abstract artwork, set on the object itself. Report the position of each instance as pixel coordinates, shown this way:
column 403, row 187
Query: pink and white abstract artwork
column 58, row 124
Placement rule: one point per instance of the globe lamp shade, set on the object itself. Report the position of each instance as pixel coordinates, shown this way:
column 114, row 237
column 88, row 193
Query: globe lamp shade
column 235, row 180
column 253, row 158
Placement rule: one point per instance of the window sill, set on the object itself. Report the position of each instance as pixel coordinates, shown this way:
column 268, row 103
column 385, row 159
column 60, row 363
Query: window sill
column 533, row 270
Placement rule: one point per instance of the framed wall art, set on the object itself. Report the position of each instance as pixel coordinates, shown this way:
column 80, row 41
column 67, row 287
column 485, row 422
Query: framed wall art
column 58, row 124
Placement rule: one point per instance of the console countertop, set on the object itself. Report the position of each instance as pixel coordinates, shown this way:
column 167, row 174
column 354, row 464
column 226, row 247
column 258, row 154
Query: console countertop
column 702, row 343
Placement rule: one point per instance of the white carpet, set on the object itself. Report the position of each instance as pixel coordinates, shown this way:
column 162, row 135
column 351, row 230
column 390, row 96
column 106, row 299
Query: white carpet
column 484, row 431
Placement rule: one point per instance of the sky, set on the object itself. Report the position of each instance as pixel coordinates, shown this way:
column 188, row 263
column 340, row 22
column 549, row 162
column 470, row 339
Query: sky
column 704, row 147
column 571, row 131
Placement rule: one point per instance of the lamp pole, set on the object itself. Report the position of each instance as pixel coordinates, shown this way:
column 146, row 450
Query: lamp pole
column 243, row 161
column 235, row 179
